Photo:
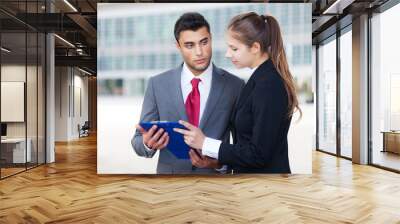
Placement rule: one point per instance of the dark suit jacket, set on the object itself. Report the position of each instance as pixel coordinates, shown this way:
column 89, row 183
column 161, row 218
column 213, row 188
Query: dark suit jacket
column 261, row 125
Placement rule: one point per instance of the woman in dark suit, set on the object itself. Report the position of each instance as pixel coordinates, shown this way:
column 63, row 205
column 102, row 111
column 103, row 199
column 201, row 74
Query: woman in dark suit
column 267, row 102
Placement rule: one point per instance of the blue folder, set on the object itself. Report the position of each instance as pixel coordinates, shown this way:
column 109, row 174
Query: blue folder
column 176, row 144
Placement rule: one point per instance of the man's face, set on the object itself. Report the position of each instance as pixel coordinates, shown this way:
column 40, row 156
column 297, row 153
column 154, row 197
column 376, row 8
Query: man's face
column 195, row 48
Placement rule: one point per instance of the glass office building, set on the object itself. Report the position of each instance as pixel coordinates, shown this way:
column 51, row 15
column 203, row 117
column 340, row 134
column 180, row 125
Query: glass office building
column 140, row 42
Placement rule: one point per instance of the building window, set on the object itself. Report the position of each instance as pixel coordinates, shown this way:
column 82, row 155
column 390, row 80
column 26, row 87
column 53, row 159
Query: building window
column 385, row 89
column 346, row 94
column 327, row 96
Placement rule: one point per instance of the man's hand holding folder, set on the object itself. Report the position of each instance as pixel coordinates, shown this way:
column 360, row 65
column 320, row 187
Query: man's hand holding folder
column 175, row 144
column 153, row 138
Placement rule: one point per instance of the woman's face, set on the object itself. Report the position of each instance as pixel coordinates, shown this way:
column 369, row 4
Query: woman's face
column 240, row 54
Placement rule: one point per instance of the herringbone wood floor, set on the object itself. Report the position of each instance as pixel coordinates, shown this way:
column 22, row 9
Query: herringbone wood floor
column 70, row 191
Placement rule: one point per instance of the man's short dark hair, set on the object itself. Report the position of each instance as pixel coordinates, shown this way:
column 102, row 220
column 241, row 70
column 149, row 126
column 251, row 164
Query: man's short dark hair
column 190, row 21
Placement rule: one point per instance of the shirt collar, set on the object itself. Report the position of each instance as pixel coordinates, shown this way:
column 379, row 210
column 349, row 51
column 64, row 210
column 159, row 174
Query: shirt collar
column 254, row 69
column 266, row 66
column 187, row 75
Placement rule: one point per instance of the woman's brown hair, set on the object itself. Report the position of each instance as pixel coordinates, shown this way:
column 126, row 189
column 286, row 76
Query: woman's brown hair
column 249, row 28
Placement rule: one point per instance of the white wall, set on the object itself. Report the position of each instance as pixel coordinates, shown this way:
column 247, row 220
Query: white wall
column 71, row 94
column 61, row 103
column 17, row 73
column 14, row 73
column 81, row 103
column 33, row 126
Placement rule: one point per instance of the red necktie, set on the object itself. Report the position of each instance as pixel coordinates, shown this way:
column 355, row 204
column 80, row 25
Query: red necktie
column 193, row 103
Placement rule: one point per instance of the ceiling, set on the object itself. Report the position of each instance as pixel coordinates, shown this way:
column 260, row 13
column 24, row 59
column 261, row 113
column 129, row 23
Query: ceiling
column 332, row 15
column 76, row 22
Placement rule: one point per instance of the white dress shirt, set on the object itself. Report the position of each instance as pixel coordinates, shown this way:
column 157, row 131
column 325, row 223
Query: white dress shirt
column 211, row 146
column 204, row 85
column 186, row 86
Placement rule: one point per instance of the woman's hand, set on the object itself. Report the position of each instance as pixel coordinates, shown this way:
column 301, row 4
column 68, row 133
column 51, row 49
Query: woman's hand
column 194, row 137
column 203, row 161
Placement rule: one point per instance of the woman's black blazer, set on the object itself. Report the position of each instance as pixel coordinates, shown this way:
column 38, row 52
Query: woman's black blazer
column 261, row 125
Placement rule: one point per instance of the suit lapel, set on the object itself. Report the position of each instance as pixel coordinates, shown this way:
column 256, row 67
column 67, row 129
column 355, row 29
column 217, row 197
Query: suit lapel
column 258, row 74
column 176, row 93
column 246, row 91
column 217, row 88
